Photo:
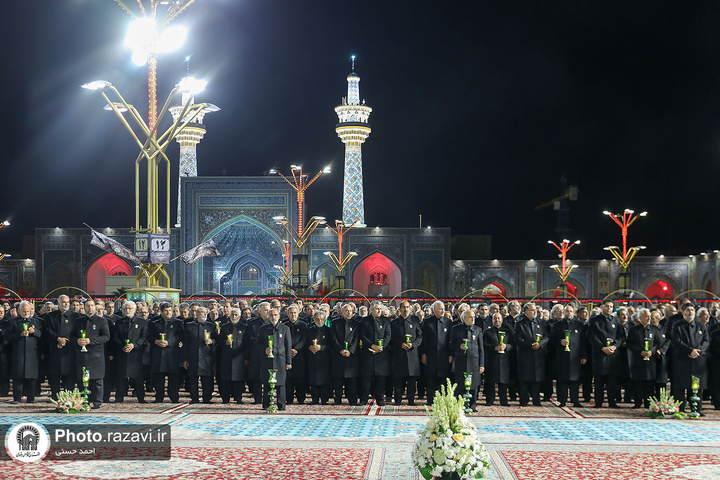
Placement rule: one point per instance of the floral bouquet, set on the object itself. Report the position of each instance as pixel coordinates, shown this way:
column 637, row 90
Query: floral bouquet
column 664, row 407
column 71, row 401
column 449, row 443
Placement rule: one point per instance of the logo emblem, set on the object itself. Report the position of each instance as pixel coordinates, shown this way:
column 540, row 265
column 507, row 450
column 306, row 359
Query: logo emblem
column 27, row 442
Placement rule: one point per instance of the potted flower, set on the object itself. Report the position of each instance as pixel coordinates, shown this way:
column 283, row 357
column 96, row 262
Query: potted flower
column 449, row 446
column 664, row 407
column 71, row 401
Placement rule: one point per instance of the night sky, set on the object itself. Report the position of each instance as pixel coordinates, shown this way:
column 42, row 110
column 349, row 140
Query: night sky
column 478, row 109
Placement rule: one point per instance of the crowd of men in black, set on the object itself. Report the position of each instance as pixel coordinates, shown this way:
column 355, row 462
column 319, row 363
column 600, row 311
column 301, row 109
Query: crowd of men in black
column 358, row 353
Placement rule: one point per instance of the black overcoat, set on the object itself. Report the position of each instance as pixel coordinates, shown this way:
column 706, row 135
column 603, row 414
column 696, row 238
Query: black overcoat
column 567, row 364
column 198, row 354
column 601, row 331
column 373, row 330
column 345, row 332
column 643, row 369
column 686, row 337
column 166, row 359
column 256, row 351
column 318, row 364
column 24, row 351
column 498, row 366
column 436, row 346
column 232, row 358
column 469, row 360
column 282, row 350
column 298, row 333
column 97, row 331
column 530, row 363
column 61, row 361
column 406, row 363
column 4, row 348
column 134, row 330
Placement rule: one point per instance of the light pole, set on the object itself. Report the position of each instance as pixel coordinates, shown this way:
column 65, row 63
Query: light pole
column 152, row 243
column 340, row 261
column 625, row 256
column 285, row 270
column 3, row 225
column 149, row 35
column 299, row 263
column 300, row 183
column 563, row 270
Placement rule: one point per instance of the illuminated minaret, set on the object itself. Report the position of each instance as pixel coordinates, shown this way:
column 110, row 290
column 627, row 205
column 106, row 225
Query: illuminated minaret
column 188, row 139
column 353, row 128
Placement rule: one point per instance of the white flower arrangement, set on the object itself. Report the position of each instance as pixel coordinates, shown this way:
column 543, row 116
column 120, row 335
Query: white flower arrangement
column 449, row 443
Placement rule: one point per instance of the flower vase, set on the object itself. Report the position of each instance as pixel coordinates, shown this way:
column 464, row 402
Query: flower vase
column 448, row 476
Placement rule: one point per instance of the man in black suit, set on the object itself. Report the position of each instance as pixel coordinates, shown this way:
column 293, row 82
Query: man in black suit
column 91, row 332
column 281, row 359
column 166, row 339
column 59, row 326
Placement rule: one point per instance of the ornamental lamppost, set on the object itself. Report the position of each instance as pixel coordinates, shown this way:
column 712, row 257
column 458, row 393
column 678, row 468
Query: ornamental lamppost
column 152, row 243
column 285, row 270
column 299, row 262
column 300, row 183
column 149, row 35
column 3, row 225
column 625, row 256
column 564, row 270
column 340, row 261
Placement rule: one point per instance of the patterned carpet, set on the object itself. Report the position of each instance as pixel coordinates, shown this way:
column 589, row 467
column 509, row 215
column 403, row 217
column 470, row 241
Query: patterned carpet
column 374, row 443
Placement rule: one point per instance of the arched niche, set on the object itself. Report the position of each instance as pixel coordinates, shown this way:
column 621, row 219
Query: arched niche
column 105, row 266
column 376, row 264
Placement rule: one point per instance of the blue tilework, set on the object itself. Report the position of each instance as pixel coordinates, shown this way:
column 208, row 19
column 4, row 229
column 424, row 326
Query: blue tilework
column 66, row 419
column 307, row 427
column 574, row 430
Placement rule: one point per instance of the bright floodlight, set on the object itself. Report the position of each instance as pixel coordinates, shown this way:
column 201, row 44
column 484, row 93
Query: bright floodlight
column 139, row 58
column 210, row 107
column 272, row 171
column 577, row 242
column 326, row 169
column 550, row 241
column 172, row 38
column 295, row 167
column 6, row 223
column 121, row 108
column 96, row 85
column 605, row 212
column 278, row 218
column 144, row 39
column 192, row 86
column 643, row 214
column 353, row 253
column 326, row 253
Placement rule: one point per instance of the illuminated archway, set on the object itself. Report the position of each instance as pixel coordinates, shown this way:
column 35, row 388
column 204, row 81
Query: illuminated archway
column 375, row 264
column 107, row 265
column 493, row 291
column 660, row 290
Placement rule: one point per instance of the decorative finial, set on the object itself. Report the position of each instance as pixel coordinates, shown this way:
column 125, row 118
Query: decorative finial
column 187, row 64
column 353, row 62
